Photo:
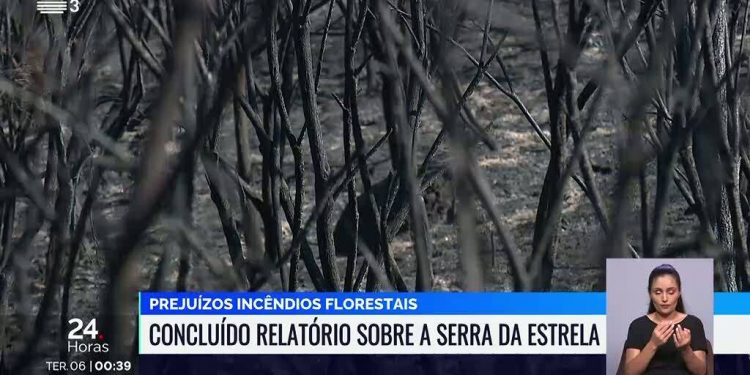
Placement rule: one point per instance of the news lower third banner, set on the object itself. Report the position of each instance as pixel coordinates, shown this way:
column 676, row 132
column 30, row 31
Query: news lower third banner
column 397, row 323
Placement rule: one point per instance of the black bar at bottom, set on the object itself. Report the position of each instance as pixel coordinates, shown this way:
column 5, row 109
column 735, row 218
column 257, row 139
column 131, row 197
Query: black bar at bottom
column 397, row 364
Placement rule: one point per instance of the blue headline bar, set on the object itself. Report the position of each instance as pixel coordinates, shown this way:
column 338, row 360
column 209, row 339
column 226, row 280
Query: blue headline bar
column 423, row 303
column 731, row 303
column 430, row 303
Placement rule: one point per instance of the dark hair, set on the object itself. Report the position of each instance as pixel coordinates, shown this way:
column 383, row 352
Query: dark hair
column 665, row 269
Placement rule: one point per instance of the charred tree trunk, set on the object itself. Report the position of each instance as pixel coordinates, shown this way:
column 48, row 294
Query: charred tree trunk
column 321, row 168
column 716, row 152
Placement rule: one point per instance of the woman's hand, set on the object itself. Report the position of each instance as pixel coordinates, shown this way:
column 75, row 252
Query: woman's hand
column 661, row 333
column 681, row 337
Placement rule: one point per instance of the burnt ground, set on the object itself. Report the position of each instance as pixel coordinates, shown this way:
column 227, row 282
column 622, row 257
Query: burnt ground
column 515, row 171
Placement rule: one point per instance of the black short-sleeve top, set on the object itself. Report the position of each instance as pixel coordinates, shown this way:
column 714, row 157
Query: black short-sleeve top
column 667, row 360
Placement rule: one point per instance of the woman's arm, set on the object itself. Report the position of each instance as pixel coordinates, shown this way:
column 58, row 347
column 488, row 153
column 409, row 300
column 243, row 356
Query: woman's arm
column 636, row 361
column 695, row 360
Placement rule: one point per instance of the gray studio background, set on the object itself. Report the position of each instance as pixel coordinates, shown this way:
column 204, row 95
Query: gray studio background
column 627, row 297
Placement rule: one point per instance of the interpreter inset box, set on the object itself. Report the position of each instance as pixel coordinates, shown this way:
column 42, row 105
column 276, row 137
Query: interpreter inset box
column 660, row 315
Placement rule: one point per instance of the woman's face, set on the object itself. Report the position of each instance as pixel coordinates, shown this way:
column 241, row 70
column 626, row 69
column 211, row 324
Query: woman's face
column 664, row 294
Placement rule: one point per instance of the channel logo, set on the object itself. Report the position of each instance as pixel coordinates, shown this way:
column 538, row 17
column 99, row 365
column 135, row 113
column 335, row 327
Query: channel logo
column 57, row 6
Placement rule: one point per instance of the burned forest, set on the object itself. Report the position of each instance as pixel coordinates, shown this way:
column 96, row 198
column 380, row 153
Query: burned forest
column 358, row 145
